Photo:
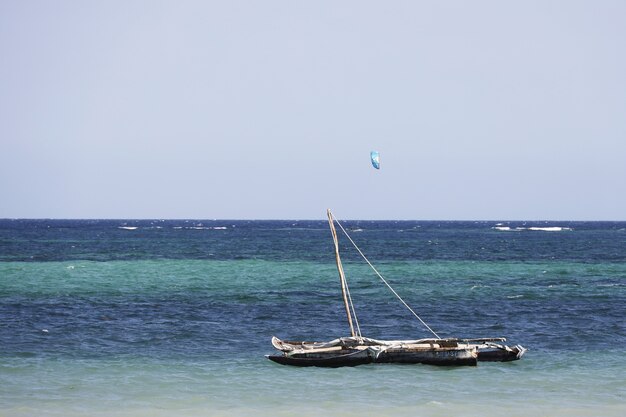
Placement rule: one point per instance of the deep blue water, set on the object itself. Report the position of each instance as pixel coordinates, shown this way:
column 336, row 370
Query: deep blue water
column 105, row 240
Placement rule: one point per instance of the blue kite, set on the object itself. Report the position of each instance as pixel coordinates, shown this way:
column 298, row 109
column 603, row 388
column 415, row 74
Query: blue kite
column 375, row 157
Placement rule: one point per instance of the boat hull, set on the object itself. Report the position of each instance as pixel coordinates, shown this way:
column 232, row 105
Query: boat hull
column 440, row 357
column 327, row 360
column 359, row 355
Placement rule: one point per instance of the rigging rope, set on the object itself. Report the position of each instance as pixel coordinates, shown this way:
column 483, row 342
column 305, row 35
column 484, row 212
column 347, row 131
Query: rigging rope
column 384, row 280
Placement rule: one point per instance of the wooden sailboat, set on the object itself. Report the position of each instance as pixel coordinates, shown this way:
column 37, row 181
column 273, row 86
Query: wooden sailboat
column 357, row 350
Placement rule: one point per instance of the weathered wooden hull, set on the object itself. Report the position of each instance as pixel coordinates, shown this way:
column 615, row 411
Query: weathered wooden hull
column 335, row 360
column 343, row 351
column 437, row 356
column 451, row 356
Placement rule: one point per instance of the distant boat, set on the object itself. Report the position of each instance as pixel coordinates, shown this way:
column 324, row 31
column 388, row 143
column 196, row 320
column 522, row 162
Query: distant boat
column 358, row 350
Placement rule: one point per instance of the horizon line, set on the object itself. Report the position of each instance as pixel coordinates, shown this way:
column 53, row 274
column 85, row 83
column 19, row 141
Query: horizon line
column 296, row 219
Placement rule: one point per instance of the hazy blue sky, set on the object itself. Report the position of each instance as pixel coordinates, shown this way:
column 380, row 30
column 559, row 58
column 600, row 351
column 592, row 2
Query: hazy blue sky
column 269, row 109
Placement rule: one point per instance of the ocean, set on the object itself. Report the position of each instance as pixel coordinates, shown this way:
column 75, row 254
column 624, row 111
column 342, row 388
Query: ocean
column 175, row 317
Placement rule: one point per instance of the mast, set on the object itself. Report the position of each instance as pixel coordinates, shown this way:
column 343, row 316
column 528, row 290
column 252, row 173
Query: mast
column 342, row 277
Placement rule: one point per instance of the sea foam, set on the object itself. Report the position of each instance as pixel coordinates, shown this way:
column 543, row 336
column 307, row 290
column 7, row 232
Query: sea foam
column 533, row 229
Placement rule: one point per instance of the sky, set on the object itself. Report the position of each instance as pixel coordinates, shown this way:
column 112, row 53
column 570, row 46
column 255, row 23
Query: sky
column 481, row 110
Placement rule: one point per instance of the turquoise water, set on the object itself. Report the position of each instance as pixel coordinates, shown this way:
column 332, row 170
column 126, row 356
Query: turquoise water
column 145, row 387
column 116, row 333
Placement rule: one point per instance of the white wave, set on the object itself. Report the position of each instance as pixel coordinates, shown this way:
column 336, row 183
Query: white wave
column 200, row 228
column 190, row 228
column 514, row 296
column 508, row 228
column 480, row 286
column 533, row 229
column 549, row 229
column 128, row 227
column 503, row 228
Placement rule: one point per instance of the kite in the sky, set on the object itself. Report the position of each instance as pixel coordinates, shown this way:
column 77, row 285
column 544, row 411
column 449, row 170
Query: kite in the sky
column 375, row 157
